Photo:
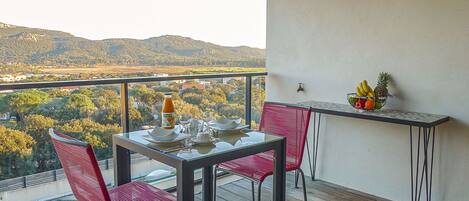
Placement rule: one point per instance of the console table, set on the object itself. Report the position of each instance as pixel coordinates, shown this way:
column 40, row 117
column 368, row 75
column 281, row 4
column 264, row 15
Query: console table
column 425, row 123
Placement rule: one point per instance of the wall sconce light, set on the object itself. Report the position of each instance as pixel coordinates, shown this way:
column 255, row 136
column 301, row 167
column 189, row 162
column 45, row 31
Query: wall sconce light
column 301, row 88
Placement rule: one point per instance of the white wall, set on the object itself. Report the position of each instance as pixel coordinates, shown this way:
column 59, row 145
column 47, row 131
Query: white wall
column 331, row 45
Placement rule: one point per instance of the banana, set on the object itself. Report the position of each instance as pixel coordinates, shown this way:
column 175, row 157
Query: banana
column 370, row 90
column 371, row 94
column 364, row 86
column 359, row 93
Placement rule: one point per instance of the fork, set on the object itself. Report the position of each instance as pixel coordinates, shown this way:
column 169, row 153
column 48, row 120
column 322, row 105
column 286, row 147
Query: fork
column 172, row 149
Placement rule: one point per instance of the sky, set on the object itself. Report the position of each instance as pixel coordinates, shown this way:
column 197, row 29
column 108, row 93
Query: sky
column 224, row 22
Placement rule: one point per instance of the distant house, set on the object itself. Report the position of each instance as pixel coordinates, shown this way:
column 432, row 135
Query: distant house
column 4, row 116
column 12, row 78
column 179, row 81
column 6, row 91
column 7, row 78
column 190, row 85
column 204, row 82
column 20, row 77
column 162, row 83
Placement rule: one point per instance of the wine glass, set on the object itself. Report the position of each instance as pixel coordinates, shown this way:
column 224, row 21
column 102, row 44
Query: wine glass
column 185, row 120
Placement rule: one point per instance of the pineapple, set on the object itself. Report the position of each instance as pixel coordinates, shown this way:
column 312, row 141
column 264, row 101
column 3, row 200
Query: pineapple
column 381, row 89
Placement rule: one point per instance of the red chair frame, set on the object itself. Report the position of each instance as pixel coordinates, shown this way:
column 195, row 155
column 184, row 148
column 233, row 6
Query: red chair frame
column 86, row 181
column 281, row 119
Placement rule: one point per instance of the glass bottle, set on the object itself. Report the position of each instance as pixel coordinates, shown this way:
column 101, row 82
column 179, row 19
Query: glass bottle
column 168, row 116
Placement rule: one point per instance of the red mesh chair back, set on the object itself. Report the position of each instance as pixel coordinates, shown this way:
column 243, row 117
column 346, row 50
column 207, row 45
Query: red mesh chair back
column 291, row 122
column 80, row 167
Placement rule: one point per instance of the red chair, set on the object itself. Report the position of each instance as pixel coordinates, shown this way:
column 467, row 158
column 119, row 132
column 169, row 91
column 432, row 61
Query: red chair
column 280, row 119
column 87, row 183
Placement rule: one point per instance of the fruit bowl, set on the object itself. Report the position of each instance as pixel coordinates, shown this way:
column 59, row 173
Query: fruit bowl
column 366, row 103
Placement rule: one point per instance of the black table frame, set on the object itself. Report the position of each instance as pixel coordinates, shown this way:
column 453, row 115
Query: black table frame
column 426, row 136
column 122, row 146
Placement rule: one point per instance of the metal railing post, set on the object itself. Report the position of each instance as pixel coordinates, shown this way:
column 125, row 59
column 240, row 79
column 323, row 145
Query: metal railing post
column 247, row 103
column 125, row 107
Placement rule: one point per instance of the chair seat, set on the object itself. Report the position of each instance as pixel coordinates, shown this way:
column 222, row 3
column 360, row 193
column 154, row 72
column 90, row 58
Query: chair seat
column 139, row 191
column 256, row 167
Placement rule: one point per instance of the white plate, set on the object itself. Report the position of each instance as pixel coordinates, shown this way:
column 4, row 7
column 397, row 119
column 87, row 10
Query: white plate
column 179, row 138
column 240, row 127
column 225, row 124
column 162, row 134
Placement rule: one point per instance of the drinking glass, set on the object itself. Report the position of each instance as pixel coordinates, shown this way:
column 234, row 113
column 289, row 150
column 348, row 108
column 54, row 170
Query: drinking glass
column 192, row 127
column 184, row 120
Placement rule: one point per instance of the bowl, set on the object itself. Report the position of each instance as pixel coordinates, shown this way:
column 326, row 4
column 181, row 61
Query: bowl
column 165, row 135
column 225, row 124
column 360, row 102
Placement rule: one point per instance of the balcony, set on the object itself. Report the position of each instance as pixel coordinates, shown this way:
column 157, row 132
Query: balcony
column 32, row 186
column 329, row 47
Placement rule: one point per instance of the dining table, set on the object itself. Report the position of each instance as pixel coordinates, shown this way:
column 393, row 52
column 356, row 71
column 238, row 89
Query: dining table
column 225, row 147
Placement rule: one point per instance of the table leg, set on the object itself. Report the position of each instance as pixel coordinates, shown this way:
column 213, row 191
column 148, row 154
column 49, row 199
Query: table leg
column 279, row 172
column 309, row 161
column 185, row 182
column 207, row 183
column 121, row 165
column 423, row 163
column 315, row 143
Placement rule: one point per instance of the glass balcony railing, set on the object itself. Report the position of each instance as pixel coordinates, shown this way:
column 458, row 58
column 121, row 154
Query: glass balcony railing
column 94, row 110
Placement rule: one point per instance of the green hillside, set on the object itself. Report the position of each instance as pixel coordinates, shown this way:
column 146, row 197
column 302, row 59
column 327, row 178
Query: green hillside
column 32, row 46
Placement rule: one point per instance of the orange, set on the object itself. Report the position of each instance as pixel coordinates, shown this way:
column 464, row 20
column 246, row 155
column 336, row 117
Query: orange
column 370, row 104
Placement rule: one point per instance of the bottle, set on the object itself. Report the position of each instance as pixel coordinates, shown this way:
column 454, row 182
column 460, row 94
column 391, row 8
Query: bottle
column 168, row 116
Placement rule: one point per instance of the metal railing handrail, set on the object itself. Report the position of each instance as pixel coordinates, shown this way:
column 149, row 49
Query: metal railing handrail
column 109, row 81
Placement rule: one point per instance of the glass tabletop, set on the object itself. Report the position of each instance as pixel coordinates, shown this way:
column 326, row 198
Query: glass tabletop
column 223, row 142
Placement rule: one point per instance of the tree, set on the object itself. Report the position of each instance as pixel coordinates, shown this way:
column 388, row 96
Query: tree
column 108, row 103
column 192, row 98
column 136, row 119
column 147, row 96
column 84, row 91
column 4, row 105
column 37, row 127
column 258, row 98
column 80, row 105
column 216, row 95
column 98, row 135
column 166, row 89
column 57, row 93
column 140, row 116
column 54, row 109
column 23, row 102
column 187, row 109
column 15, row 142
column 231, row 111
column 106, row 99
column 14, row 147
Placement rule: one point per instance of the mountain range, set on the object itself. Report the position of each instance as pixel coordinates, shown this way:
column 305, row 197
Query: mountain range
column 32, row 46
